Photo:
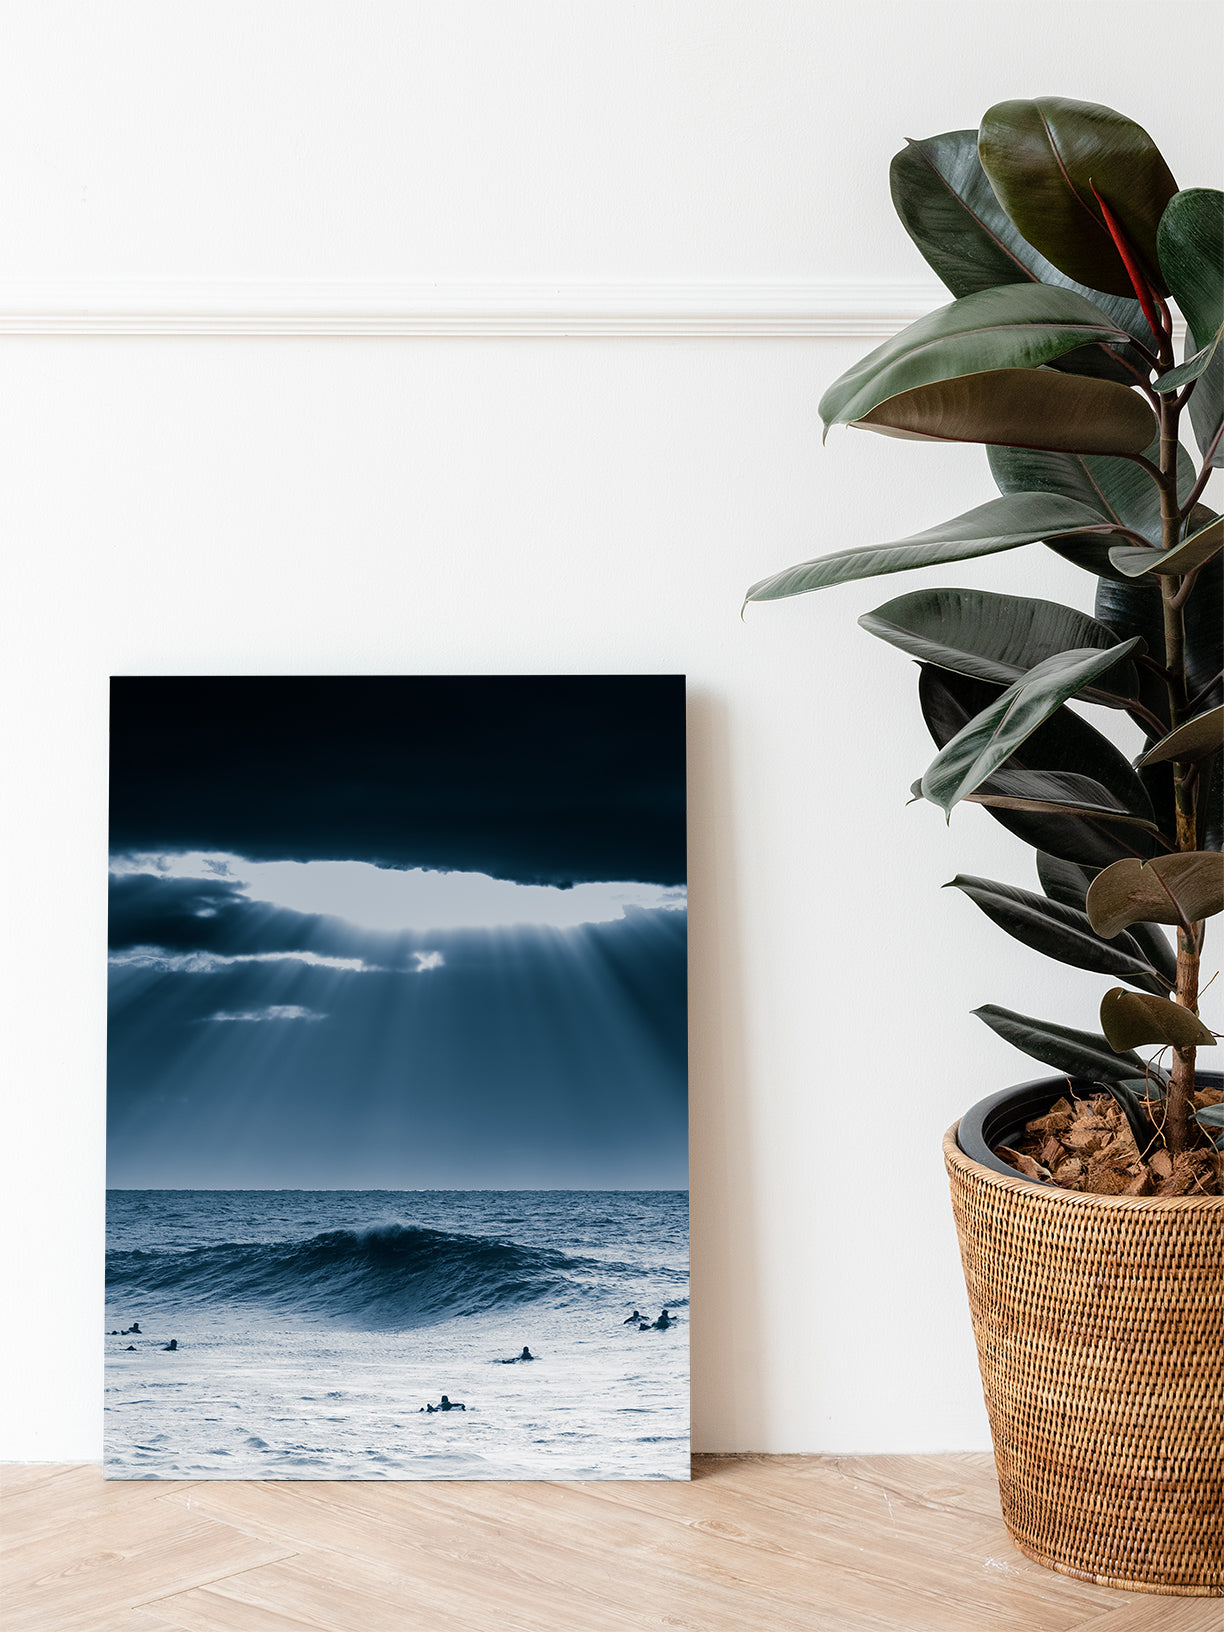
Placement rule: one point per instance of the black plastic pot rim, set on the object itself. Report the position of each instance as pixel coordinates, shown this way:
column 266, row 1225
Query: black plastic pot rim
column 1000, row 1119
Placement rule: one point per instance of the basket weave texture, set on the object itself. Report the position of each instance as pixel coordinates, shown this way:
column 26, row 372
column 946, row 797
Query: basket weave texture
column 1099, row 1323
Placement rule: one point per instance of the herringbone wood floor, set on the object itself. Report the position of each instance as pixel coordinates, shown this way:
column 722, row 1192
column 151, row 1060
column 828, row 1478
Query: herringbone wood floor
column 754, row 1544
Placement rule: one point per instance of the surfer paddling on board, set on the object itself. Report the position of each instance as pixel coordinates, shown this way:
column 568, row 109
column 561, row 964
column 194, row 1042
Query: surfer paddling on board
column 446, row 1405
column 664, row 1323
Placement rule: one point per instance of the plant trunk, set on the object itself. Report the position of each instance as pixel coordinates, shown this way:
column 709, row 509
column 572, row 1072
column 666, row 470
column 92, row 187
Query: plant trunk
column 1181, row 1085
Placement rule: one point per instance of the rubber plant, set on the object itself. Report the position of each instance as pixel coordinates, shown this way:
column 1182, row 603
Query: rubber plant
column 1061, row 233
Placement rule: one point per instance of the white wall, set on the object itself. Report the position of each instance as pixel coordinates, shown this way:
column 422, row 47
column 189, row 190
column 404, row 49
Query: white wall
column 399, row 505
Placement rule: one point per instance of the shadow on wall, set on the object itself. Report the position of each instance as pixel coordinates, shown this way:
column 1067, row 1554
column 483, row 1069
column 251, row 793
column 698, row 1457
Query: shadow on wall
column 728, row 1367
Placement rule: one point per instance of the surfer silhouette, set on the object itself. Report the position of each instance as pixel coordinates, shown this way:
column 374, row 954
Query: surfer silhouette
column 633, row 1318
column 447, row 1405
column 134, row 1327
column 526, row 1354
column 663, row 1322
column 131, row 1349
column 172, row 1346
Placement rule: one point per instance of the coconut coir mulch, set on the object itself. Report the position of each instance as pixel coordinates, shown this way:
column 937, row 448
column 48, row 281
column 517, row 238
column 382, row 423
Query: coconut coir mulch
column 1087, row 1144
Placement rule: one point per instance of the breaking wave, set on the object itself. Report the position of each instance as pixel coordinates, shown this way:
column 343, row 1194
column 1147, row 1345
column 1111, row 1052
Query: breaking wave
column 391, row 1275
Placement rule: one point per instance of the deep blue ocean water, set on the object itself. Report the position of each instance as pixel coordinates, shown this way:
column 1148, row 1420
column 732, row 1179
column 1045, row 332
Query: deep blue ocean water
column 392, row 1298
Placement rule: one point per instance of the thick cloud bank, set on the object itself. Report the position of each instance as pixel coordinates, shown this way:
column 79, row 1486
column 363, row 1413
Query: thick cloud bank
column 537, row 780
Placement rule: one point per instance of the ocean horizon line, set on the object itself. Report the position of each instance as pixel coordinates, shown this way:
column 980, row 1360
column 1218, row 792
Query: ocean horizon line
column 397, row 1190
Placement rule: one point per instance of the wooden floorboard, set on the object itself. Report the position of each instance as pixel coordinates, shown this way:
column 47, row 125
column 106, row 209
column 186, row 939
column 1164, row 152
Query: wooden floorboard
column 135, row 1620
column 711, row 1563
column 443, row 1553
column 753, row 1544
column 207, row 1609
column 919, row 1534
column 111, row 1552
column 1152, row 1614
column 34, row 1509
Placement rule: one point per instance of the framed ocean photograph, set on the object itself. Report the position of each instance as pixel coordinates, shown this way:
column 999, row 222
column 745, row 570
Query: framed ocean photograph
column 397, row 1087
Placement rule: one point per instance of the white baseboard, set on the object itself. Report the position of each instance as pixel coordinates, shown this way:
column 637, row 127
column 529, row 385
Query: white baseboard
column 797, row 308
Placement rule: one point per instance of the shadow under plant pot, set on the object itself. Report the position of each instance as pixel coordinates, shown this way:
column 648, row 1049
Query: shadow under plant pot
column 1099, row 1323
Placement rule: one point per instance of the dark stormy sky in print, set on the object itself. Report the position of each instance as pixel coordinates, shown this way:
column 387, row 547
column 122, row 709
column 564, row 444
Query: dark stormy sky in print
column 398, row 933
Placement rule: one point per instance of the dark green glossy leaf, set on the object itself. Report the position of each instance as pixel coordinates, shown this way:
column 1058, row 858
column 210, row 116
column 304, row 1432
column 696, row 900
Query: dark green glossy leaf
column 1191, row 369
column 1078, row 1053
column 949, row 209
column 1064, row 881
column 1199, row 516
column 1134, row 607
column 1192, row 552
column 1000, row 524
column 1015, row 326
column 996, row 637
column 988, row 741
column 1197, row 738
column 1068, row 883
column 1044, row 159
column 1059, row 932
column 1054, row 792
column 1207, row 409
column 1158, row 783
column 1119, row 491
column 1178, row 889
column 1154, row 946
column 1131, row 1097
column 1051, row 793
column 1189, row 239
column 1130, row 1018
column 1065, row 745
column 1203, row 618
column 1020, row 407
column 1211, row 811
column 1211, row 1117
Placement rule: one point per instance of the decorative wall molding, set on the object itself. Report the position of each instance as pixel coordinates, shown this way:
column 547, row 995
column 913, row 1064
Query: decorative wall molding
column 563, row 307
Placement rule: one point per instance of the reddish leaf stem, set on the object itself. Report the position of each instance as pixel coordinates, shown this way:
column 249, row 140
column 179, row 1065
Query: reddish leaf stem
column 1144, row 292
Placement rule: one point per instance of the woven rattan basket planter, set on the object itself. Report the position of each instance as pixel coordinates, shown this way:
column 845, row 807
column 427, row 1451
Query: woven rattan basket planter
column 1099, row 1323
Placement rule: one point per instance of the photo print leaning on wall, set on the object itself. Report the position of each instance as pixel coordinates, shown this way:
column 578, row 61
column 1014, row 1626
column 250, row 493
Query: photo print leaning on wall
column 397, row 1126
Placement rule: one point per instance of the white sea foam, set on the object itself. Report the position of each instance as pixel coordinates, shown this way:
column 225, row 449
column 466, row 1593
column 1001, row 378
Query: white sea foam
column 329, row 1382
